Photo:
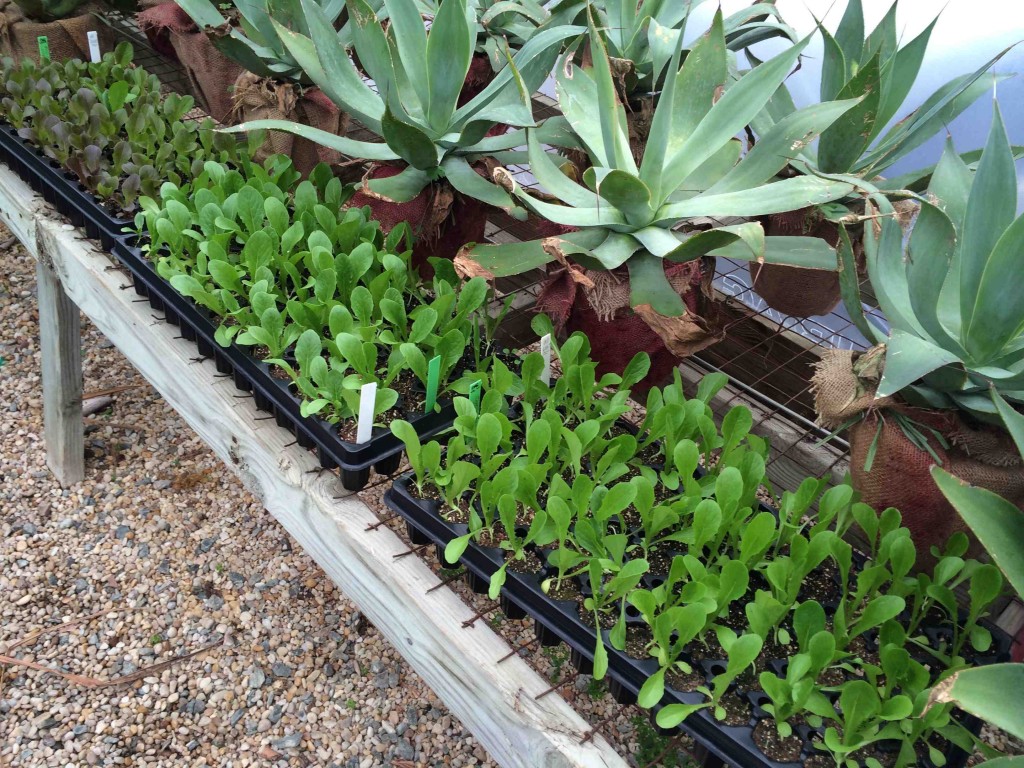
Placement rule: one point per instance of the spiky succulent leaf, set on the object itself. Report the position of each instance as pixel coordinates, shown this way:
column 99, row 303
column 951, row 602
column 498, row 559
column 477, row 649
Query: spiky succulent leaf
column 254, row 42
column 957, row 337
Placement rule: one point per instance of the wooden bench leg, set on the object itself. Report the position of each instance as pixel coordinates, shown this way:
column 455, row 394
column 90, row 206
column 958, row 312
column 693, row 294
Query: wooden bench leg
column 61, row 341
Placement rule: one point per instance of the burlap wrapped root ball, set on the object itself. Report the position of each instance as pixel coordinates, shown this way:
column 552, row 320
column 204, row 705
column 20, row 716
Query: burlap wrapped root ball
column 211, row 74
column 260, row 98
column 66, row 38
column 598, row 304
column 980, row 454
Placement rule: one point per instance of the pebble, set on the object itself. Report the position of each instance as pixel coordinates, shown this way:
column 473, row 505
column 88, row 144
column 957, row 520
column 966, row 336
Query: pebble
column 288, row 742
column 257, row 678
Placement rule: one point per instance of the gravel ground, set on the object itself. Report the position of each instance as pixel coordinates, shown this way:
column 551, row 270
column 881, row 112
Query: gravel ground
column 160, row 553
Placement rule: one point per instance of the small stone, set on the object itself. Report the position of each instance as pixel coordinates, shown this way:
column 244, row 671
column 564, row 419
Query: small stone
column 122, row 532
column 28, row 529
column 206, row 545
column 257, row 678
column 290, row 741
column 162, row 485
column 274, row 716
column 404, row 750
column 214, row 603
column 281, row 670
column 236, row 716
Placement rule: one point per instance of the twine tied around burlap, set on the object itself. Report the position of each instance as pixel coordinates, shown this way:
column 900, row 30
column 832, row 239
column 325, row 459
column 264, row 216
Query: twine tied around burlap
column 844, row 388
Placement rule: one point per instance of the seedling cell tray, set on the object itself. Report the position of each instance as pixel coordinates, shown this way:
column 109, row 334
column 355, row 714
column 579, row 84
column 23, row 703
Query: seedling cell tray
column 60, row 188
column 383, row 451
column 558, row 621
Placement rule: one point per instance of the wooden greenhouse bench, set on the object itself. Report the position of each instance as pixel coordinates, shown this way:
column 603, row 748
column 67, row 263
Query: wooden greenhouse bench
column 495, row 701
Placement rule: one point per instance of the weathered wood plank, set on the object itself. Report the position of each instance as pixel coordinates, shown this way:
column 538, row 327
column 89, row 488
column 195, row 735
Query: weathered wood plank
column 496, row 702
column 61, row 350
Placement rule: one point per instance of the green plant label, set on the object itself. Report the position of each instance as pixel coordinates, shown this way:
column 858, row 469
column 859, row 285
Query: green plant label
column 433, row 379
column 44, row 47
column 367, row 401
column 474, row 395
column 545, row 351
column 94, row 46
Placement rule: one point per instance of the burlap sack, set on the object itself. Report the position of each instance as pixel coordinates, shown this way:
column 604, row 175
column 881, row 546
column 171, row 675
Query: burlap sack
column 598, row 304
column 639, row 118
column 802, row 292
column 211, row 74
column 900, row 477
column 67, row 38
column 257, row 98
column 442, row 220
column 797, row 291
column 479, row 77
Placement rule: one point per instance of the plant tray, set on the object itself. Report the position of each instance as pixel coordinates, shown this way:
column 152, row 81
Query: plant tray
column 60, row 188
column 559, row 621
column 383, row 451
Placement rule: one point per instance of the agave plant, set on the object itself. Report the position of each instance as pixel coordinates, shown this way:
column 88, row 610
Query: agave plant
column 418, row 76
column 953, row 299
column 248, row 35
column 497, row 22
column 628, row 214
column 641, row 36
column 876, row 66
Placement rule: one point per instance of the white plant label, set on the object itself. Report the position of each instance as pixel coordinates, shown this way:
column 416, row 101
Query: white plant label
column 94, row 46
column 545, row 351
column 367, row 399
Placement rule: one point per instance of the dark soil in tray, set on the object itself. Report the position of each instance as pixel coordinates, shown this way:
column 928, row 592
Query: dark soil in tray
column 783, row 750
column 531, row 563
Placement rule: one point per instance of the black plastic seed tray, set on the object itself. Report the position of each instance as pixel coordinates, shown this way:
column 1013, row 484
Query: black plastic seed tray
column 559, row 621
column 383, row 451
column 60, row 188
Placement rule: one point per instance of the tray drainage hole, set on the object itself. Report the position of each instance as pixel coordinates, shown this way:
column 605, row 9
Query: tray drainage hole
column 632, row 612
column 759, row 699
column 716, row 667
column 656, row 582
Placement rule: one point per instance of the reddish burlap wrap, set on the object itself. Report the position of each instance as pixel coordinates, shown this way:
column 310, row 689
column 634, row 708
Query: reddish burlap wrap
column 211, row 74
column 479, row 77
column 67, row 38
column 802, row 292
column 797, row 291
column 844, row 387
column 442, row 220
column 257, row 98
column 598, row 303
